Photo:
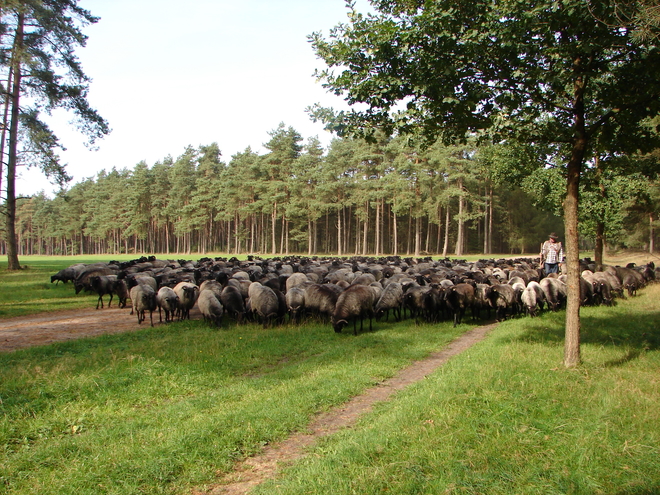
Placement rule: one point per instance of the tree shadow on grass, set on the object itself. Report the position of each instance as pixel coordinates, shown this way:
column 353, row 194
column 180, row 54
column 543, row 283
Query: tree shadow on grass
column 600, row 326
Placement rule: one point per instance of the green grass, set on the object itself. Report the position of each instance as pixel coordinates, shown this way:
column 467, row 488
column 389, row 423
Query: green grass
column 163, row 409
column 506, row 417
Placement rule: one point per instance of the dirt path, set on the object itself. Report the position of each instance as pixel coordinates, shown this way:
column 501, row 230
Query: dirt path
column 59, row 326
column 255, row 470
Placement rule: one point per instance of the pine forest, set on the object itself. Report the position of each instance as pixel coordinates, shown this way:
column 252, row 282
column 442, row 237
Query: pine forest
column 388, row 196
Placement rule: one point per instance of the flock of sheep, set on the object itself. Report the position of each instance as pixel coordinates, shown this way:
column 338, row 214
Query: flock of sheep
column 344, row 290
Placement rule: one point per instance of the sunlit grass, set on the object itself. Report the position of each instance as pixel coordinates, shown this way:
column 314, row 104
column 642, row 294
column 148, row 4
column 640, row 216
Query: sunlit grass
column 162, row 409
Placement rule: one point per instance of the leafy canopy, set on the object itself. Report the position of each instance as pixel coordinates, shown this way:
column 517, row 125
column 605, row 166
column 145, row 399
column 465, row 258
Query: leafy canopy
column 448, row 68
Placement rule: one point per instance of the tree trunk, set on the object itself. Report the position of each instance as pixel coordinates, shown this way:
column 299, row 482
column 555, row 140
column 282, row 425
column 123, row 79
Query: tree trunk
column 572, row 338
column 461, row 222
column 366, row 232
column 377, row 246
column 445, row 248
column 418, row 235
column 490, row 222
column 339, row 233
column 600, row 244
column 12, row 251
column 651, row 235
column 573, row 172
column 282, row 234
column 5, row 118
column 600, row 222
column 395, row 233
column 486, row 223
column 309, row 237
column 273, row 222
column 409, row 237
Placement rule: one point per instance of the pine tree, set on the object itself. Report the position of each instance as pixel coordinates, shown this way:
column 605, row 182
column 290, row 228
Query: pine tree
column 42, row 73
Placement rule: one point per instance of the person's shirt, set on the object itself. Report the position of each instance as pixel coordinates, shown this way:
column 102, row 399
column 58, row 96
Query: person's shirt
column 552, row 252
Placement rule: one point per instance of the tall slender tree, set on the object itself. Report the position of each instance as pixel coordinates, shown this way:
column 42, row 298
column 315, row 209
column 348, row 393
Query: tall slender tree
column 43, row 73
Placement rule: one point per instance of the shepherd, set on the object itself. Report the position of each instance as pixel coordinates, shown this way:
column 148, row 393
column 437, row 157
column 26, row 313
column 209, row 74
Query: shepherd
column 552, row 253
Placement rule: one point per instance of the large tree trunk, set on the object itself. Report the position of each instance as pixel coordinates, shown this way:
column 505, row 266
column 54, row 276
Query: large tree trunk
column 10, row 231
column 573, row 172
column 572, row 342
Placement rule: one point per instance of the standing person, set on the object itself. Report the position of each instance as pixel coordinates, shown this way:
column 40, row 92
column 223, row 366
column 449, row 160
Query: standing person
column 552, row 253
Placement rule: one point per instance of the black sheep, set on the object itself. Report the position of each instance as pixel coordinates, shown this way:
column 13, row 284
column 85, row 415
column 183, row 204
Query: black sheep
column 502, row 297
column 459, row 298
column 357, row 301
column 391, row 298
column 102, row 285
column 232, row 301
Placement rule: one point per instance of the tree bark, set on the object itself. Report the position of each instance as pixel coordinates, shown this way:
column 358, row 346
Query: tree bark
column 309, row 237
column 5, row 118
column 418, row 235
column 273, row 225
column 651, row 235
column 395, row 235
column 366, row 232
column 445, row 248
column 377, row 243
column 600, row 222
column 486, row 223
column 600, row 244
column 490, row 222
column 10, row 231
column 339, row 233
column 461, row 222
column 573, row 172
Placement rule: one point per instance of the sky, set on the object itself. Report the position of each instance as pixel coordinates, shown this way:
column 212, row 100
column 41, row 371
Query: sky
column 167, row 74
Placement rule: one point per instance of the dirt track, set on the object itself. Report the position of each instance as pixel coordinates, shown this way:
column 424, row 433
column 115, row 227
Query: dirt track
column 255, row 470
column 46, row 328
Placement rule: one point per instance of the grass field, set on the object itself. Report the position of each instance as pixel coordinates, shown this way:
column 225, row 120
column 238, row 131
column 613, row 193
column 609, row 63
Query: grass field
column 170, row 409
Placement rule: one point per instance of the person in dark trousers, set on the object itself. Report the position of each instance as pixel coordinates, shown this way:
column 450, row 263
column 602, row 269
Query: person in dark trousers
column 552, row 253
